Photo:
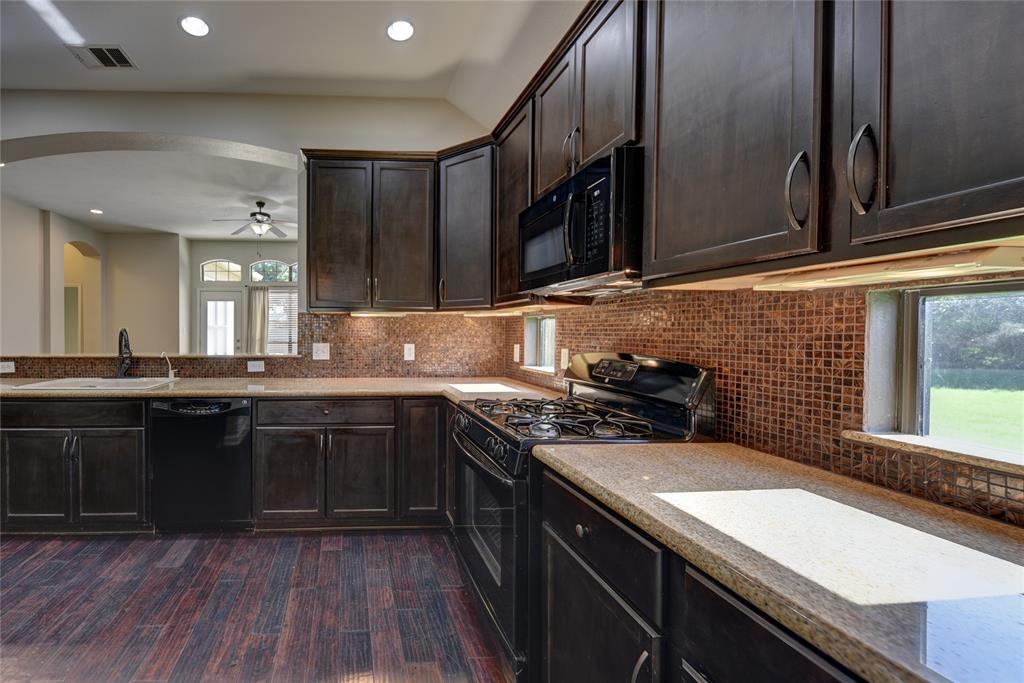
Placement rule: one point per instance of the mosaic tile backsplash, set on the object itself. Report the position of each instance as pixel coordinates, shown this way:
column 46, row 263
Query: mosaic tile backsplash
column 790, row 373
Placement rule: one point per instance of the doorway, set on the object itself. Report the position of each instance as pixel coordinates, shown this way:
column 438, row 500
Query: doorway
column 220, row 322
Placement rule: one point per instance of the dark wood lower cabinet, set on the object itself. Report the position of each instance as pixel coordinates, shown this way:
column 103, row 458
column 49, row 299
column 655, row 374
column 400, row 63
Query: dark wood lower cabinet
column 289, row 473
column 361, row 472
column 589, row 632
column 36, row 476
column 423, row 461
column 109, row 472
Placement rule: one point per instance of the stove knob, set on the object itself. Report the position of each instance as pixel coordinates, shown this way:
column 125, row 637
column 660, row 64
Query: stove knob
column 461, row 422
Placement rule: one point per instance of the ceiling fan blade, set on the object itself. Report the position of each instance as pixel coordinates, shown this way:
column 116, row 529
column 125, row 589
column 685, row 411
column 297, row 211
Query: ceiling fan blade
column 289, row 224
column 240, row 230
column 229, row 220
column 277, row 231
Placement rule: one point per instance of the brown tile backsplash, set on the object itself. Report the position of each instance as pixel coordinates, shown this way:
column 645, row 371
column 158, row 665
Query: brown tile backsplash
column 790, row 372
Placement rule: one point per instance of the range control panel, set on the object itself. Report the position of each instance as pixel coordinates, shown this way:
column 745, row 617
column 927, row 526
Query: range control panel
column 615, row 369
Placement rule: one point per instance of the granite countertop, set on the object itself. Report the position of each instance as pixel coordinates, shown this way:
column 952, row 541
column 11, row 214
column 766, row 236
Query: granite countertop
column 892, row 587
column 452, row 388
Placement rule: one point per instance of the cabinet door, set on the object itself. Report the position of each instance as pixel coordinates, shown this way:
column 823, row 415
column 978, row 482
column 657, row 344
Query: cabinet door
column 732, row 133
column 606, row 85
column 110, row 475
column 464, row 230
column 422, row 457
column 513, row 155
column 588, row 632
column 338, row 246
column 289, row 470
column 938, row 106
column 35, row 474
column 403, row 234
column 554, row 121
column 361, row 472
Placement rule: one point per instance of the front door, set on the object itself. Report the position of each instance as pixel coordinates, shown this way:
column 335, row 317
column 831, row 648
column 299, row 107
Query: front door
column 220, row 323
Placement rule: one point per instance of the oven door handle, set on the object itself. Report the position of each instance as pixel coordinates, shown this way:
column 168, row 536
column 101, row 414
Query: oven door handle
column 481, row 462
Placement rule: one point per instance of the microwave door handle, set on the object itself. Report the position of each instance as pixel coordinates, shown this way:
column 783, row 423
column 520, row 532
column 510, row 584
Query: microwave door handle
column 570, row 258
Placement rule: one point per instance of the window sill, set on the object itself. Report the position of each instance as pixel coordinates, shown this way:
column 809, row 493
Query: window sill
column 539, row 369
column 945, row 449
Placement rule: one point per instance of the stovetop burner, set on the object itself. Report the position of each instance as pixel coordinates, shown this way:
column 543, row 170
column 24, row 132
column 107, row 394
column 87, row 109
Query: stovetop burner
column 530, row 407
column 564, row 418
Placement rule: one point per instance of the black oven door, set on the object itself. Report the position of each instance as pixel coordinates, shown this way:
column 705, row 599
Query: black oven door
column 550, row 238
column 490, row 531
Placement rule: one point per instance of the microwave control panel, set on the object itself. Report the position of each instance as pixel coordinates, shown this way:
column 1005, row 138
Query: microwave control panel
column 597, row 219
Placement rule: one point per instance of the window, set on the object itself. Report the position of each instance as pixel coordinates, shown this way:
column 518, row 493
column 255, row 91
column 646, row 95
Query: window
column 220, row 328
column 282, row 320
column 271, row 271
column 963, row 368
column 293, row 272
column 539, row 343
column 221, row 271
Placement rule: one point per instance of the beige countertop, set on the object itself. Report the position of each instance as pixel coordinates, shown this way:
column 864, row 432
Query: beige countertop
column 893, row 587
column 452, row 388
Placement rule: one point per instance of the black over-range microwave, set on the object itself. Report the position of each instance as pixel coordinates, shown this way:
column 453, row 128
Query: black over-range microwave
column 586, row 234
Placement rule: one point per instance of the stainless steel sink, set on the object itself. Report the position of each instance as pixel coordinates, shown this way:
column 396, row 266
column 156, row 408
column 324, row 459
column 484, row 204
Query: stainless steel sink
column 99, row 384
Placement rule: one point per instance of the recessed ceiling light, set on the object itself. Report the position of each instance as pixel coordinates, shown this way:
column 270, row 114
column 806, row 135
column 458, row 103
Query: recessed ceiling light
column 194, row 26
column 400, row 30
column 98, row 212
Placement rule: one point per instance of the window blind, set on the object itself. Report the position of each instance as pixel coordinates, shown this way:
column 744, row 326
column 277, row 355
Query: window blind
column 283, row 321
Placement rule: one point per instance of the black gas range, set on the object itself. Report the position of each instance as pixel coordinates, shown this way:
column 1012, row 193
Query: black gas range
column 612, row 398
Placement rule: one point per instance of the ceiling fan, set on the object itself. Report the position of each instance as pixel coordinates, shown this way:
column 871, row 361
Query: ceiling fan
column 259, row 222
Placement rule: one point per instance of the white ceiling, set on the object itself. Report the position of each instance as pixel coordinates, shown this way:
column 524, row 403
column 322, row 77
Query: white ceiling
column 288, row 47
column 154, row 191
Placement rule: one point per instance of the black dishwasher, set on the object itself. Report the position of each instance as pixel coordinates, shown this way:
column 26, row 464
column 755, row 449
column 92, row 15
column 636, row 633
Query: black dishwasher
column 202, row 464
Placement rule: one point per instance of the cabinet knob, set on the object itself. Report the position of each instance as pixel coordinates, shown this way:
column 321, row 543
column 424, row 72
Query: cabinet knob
column 581, row 530
column 326, row 412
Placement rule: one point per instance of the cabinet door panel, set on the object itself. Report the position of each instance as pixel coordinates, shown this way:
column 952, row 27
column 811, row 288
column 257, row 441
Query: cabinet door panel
column 422, row 457
column 289, row 470
column 464, row 230
column 733, row 107
column 606, row 55
column 513, row 157
column 35, row 475
column 589, row 634
column 554, row 119
column 938, row 85
column 111, row 475
column 338, row 256
column 361, row 472
column 403, row 234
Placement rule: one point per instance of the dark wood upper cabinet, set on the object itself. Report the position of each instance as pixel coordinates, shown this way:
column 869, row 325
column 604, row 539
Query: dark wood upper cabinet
column 403, row 234
column 464, row 229
column 513, row 155
column 554, row 111
column 338, row 259
column 109, row 469
column 361, row 472
column 423, row 457
column 288, row 467
column 35, row 473
column 732, row 132
column 937, row 139
column 607, row 55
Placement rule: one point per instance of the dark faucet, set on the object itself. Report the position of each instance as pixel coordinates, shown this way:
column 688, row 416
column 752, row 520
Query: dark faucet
column 124, row 353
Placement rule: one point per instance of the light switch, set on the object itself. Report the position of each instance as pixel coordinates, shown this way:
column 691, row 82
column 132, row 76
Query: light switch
column 7, row 366
column 321, row 351
column 410, row 352
column 255, row 366
column 515, row 353
column 565, row 358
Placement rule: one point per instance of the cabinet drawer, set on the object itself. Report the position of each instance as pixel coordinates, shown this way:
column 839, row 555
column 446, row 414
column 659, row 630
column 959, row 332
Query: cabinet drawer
column 73, row 414
column 715, row 637
column 322, row 412
column 627, row 560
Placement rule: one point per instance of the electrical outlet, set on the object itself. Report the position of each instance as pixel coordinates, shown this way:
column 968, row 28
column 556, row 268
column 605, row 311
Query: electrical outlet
column 321, row 351
column 7, row 366
column 515, row 353
column 565, row 358
column 255, row 366
column 410, row 352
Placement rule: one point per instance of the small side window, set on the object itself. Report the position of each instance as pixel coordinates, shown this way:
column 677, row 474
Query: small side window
column 539, row 343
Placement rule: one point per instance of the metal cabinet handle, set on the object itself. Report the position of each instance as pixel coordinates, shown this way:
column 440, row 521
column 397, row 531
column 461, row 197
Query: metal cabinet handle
column 64, row 446
column 639, row 665
column 321, row 443
column 376, row 289
column 794, row 222
column 76, row 445
column 860, row 206
column 330, row 442
column 570, row 257
column 565, row 141
column 572, row 146
column 367, row 289
column 440, row 290
column 581, row 530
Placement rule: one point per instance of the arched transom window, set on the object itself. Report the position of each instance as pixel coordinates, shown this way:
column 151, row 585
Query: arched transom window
column 272, row 270
column 221, row 271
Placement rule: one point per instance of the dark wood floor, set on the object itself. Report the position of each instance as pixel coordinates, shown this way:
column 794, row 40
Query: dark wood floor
column 349, row 606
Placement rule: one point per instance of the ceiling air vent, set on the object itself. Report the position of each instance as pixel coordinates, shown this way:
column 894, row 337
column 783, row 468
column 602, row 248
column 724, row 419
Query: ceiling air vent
column 101, row 56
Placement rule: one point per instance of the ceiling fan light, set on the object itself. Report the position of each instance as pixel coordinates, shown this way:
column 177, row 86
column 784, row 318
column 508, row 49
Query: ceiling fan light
column 259, row 228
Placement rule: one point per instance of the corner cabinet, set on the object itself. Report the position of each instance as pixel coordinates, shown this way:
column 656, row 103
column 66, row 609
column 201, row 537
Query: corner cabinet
column 937, row 137
column 513, row 163
column 732, row 130
column 370, row 241
column 464, row 229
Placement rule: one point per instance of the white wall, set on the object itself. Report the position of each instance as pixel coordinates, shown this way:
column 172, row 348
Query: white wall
column 57, row 231
column 280, row 122
column 86, row 270
column 22, row 319
column 143, row 286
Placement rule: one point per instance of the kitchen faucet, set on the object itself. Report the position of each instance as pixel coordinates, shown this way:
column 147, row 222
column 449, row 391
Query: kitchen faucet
column 124, row 353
